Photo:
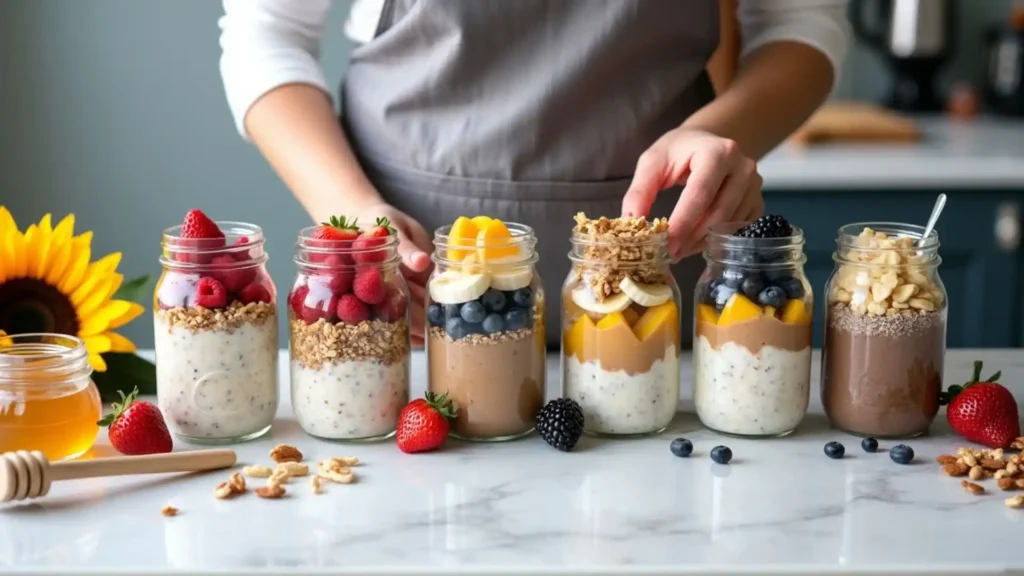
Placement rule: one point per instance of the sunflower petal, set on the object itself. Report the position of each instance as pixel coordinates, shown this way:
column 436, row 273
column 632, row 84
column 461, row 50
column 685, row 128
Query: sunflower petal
column 100, row 320
column 6, row 220
column 119, row 343
column 81, row 252
column 41, row 265
column 134, row 311
column 61, row 255
column 18, row 263
column 6, row 267
column 97, row 362
column 98, row 344
column 103, row 291
column 97, row 272
column 32, row 248
column 58, row 239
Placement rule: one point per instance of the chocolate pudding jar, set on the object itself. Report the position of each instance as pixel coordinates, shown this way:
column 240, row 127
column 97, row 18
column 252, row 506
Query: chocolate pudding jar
column 485, row 332
column 752, row 330
column 885, row 331
column 620, row 326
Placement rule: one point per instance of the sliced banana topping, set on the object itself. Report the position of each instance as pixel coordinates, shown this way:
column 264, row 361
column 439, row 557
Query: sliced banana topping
column 645, row 294
column 454, row 287
column 584, row 298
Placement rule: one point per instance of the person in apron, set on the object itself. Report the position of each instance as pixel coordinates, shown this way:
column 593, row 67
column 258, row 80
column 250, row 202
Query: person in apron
column 529, row 111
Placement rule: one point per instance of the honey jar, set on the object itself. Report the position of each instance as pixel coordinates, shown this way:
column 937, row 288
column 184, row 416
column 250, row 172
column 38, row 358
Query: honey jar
column 48, row 401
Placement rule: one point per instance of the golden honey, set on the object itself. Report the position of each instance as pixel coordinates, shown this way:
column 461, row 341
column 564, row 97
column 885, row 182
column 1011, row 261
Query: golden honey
column 48, row 401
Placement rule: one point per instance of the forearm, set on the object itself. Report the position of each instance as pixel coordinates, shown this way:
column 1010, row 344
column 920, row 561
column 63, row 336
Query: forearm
column 777, row 87
column 296, row 129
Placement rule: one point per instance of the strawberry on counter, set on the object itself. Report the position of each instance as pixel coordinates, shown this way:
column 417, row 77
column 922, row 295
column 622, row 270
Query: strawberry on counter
column 424, row 423
column 136, row 427
column 983, row 411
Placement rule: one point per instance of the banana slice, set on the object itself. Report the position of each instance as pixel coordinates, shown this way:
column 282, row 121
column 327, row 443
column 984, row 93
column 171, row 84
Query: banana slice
column 645, row 294
column 453, row 287
column 584, row 298
column 514, row 279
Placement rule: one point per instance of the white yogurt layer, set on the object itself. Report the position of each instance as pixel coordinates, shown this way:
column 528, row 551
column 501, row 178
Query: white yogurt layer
column 737, row 392
column 350, row 399
column 620, row 403
column 215, row 384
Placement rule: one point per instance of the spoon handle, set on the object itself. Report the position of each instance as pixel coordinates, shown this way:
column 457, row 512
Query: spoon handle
column 193, row 461
column 940, row 203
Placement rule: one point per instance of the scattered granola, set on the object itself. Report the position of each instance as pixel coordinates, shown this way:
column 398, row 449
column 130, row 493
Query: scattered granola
column 314, row 345
column 169, row 511
column 227, row 319
column 618, row 247
column 285, row 453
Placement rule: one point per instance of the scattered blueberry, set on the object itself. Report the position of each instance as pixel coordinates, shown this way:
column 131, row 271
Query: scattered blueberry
column 473, row 312
column 515, row 319
column 793, row 286
column 456, row 328
column 435, row 314
column 722, row 294
column 752, row 286
column 721, row 454
column 523, row 298
column 681, row 447
column 493, row 323
column 493, row 300
column 834, row 450
column 869, row 444
column 771, row 296
column 452, row 311
column 732, row 277
column 901, row 454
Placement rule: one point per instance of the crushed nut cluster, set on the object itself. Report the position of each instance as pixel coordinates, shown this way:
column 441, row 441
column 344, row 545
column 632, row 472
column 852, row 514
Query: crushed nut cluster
column 227, row 320
column 289, row 465
column 483, row 339
column 313, row 345
column 886, row 277
column 1008, row 470
column 233, row 487
column 622, row 247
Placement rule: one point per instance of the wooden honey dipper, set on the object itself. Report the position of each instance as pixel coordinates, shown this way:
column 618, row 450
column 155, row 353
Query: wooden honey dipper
column 29, row 474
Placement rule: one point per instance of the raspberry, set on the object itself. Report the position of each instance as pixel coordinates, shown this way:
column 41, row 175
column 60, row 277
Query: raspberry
column 392, row 308
column 318, row 303
column 368, row 285
column 210, row 293
column 242, row 255
column 297, row 297
column 234, row 279
column 351, row 310
column 254, row 293
column 340, row 279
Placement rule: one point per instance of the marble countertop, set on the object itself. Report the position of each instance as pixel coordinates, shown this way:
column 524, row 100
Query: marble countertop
column 611, row 507
column 984, row 153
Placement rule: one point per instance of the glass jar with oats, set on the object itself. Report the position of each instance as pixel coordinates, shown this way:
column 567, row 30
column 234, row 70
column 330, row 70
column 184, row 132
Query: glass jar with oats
column 885, row 333
column 620, row 326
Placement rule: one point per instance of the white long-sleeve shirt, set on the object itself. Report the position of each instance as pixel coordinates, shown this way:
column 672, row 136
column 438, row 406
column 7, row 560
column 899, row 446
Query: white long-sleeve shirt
column 270, row 43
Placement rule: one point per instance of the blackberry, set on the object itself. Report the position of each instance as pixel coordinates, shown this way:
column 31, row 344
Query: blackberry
column 560, row 423
column 769, row 226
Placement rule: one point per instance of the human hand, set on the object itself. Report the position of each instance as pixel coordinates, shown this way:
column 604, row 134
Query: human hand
column 414, row 246
column 721, row 185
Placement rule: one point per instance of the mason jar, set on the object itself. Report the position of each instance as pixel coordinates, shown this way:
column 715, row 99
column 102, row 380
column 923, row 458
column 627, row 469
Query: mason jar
column 620, row 331
column 752, row 334
column 885, row 331
column 349, row 341
column 485, row 330
column 48, row 401
column 215, row 327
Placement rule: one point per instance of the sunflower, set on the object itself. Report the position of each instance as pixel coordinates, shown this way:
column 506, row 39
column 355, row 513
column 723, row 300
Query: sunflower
column 48, row 284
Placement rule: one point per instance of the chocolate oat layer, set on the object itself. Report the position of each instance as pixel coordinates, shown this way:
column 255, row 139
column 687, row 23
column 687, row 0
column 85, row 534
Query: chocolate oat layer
column 313, row 345
column 227, row 319
column 618, row 247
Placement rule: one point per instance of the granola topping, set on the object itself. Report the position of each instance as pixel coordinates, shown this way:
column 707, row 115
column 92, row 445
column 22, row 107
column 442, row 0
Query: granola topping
column 314, row 345
column 227, row 320
column 483, row 339
column 618, row 247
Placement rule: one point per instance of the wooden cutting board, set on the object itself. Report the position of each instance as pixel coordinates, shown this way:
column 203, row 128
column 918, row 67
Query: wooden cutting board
column 855, row 122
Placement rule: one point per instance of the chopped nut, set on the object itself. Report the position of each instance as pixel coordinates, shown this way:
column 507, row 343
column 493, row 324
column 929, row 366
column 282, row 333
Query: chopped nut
column 1018, row 444
column 237, row 483
column 1014, row 502
column 970, row 460
column 229, row 319
column 293, row 468
column 992, row 464
column 1006, row 484
column 1001, row 474
column 334, row 471
column 996, row 454
column 345, row 460
column 169, row 511
column 955, row 469
column 224, row 491
column 976, row 473
column 972, row 487
column 1019, row 482
column 904, row 293
column 278, row 477
column 314, row 484
column 1012, row 468
column 946, row 459
column 272, row 491
column 922, row 304
column 257, row 471
column 285, row 453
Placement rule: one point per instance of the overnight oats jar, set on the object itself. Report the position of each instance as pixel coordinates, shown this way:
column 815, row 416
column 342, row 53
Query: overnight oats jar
column 48, row 401
column 485, row 327
column 885, row 331
column 348, row 332
column 215, row 326
column 620, row 326
column 752, row 330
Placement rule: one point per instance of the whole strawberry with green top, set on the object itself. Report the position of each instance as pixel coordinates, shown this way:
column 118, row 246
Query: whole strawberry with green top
column 136, row 427
column 424, row 423
column 982, row 411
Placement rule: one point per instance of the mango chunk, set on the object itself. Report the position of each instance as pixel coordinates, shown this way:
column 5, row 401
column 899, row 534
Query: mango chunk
column 795, row 312
column 577, row 335
column 463, row 233
column 612, row 320
column 481, row 221
column 739, row 308
column 655, row 318
column 707, row 314
column 495, row 241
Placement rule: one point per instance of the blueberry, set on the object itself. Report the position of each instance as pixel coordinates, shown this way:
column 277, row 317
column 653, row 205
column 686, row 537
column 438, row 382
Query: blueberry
column 523, row 298
column 456, row 328
column 793, row 286
column 681, row 447
column 722, row 294
column 493, row 300
column 721, row 454
column 771, row 296
column 752, row 286
column 473, row 312
column 834, row 450
column 709, row 291
column 901, row 454
column 493, row 323
column 452, row 311
column 869, row 444
column 435, row 314
column 732, row 277
column 743, row 256
column 515, row 319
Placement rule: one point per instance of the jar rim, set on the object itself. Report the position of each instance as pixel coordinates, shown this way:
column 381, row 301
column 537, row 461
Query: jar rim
column 846, row 236
column 242, row 252
column 523, row 237
column 53, row 355
column 306, row 245
column 723, row 245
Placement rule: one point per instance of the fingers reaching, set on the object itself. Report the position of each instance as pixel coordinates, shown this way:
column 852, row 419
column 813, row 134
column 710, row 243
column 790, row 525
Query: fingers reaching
column 648, row 180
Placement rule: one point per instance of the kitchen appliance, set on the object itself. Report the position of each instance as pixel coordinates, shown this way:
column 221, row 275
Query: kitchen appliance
column 1003, row 87
column 915, row 37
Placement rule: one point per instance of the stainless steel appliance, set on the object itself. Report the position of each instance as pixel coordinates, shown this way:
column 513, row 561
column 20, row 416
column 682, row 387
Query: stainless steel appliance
column 915, row 37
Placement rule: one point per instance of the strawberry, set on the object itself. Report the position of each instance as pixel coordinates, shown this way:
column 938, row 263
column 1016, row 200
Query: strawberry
column 136, row 427
column 198, row 233
column 368, row 285
column 229, row 274
column 254, row 292
column 340, row 278
column 199, row 225
column 982, row 411
column 423, row 423
column 210, row 293
column 338, row 233
column 297, row 298
column 351, row 310
column 373, row 239
column 392, row 308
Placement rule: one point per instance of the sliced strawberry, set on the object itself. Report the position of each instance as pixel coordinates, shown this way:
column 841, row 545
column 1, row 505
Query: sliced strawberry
column 367, row 249
column 137, row 427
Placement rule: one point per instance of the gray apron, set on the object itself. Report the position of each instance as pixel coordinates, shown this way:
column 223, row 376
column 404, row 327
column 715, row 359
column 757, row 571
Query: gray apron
column 526, row 110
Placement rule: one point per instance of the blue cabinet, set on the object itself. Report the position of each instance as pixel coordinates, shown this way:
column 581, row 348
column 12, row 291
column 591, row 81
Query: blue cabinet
column 983, row 275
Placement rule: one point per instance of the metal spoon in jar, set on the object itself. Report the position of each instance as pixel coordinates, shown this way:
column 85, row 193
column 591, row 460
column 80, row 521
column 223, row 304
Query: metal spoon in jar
column 940, row 203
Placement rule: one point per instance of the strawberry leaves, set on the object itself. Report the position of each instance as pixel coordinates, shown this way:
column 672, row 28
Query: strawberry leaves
column 945, row 397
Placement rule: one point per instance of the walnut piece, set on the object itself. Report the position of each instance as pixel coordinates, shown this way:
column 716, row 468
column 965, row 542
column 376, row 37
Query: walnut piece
column 169, row 511
column 270, row 492
column 285, row 453
column 237, row 483
column 956, row 469
column 946, row 459
column 224, row 490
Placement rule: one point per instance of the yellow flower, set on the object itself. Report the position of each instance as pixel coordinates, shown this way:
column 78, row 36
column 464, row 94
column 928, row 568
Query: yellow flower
column 48, row 284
